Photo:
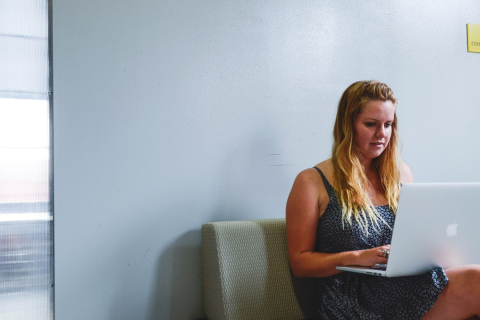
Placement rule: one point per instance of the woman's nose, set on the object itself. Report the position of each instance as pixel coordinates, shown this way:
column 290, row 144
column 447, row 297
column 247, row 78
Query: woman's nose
column 381, row 132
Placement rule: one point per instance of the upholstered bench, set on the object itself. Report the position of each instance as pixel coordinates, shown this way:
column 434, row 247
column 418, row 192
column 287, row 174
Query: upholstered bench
column 246, row 274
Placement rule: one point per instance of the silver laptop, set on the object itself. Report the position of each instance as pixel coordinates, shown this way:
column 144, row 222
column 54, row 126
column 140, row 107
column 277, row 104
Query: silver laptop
column 437, row 224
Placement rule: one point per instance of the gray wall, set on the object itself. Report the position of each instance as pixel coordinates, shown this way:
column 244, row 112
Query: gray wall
column 170, row 114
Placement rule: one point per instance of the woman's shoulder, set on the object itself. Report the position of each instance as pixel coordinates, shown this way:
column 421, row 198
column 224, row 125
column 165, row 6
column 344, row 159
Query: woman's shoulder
column 309, row 190
column 312, row 174
column 326, row 167
column 406, row 175
column 311, row 179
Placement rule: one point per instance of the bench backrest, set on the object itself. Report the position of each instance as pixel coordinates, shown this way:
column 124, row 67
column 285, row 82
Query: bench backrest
column 246, row 274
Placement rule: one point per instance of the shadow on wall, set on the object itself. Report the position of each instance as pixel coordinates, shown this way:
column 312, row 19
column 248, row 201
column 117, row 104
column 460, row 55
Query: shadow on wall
column 179, row 280
column 246, row 190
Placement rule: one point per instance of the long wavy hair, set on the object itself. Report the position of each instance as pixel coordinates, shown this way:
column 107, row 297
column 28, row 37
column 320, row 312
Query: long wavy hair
column 348, row 172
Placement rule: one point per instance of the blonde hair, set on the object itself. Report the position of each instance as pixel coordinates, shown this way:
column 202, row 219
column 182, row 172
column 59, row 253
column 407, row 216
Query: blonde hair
column 349, row 175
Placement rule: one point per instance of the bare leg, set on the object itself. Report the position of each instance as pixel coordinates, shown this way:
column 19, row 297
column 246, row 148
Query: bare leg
column 460, row 299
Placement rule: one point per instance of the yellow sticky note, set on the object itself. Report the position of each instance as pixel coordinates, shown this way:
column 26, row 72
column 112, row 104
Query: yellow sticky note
column 473, row 37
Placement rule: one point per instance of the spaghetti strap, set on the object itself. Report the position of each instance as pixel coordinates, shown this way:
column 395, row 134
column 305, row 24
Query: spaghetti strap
column 327, row 184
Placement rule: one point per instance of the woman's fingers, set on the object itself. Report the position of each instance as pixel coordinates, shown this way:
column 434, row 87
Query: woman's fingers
column 385, row 252
column 379, row 255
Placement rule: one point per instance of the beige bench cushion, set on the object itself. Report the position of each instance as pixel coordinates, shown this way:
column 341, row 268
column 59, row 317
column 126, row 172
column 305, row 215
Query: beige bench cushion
column 246, row 274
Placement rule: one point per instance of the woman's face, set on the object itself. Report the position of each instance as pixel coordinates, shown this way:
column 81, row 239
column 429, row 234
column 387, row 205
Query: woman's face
column 373, row 128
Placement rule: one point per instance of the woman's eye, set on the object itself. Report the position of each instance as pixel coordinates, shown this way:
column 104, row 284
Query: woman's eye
column 388, row 125
column 370, row 124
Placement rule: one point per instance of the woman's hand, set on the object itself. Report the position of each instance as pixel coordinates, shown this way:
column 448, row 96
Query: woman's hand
column 371, row 257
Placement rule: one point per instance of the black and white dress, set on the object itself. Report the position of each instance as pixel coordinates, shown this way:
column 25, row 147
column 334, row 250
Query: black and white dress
column 350, row 295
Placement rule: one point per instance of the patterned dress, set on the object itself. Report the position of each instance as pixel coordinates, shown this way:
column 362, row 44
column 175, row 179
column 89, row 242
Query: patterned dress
column 350, row 295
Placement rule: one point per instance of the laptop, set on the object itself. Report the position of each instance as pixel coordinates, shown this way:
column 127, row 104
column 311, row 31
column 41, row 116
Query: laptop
column 437, row 224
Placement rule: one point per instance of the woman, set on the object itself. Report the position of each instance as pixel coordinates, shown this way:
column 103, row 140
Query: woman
column 342, row 211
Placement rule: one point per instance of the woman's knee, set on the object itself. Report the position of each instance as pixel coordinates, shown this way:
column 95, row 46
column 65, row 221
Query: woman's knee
column 472, row 277
column 465, row 281
column 464, row 273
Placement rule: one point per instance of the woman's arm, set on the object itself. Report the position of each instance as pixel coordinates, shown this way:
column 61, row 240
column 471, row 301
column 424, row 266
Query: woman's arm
column 307, row 200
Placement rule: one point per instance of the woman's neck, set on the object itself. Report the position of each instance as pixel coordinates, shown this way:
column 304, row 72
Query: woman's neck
column 367, row 164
